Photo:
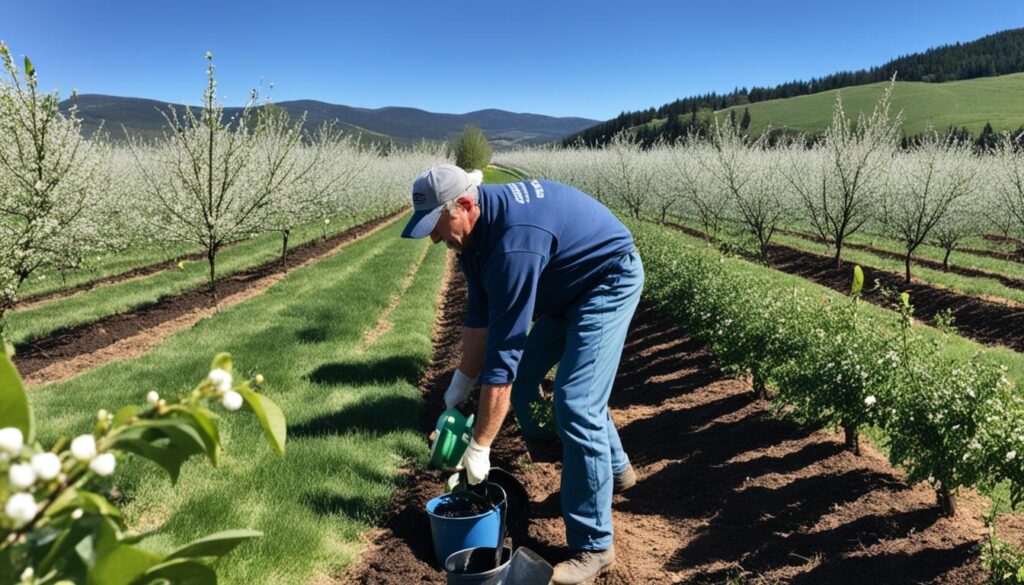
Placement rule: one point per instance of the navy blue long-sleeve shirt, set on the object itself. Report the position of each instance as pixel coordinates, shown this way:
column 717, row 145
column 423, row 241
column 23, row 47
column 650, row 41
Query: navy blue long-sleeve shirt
column 536, row 248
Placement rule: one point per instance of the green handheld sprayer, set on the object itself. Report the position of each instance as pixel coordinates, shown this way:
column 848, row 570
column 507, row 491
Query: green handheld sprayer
column 453, row 433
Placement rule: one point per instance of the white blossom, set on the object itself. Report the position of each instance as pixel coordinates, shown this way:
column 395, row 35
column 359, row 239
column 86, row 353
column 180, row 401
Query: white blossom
column 21, row 508
column 46, row 465
column 21, row 476
column 152, row 398
column 870, row 400
column 1010, row 456
column 103, row 465
column 232, row 400
column 221, row 380
column 83, row 447
column 11, row 440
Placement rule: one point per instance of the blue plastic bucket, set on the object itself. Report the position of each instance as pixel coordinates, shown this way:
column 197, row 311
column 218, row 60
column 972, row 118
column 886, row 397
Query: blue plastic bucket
column 451, row 535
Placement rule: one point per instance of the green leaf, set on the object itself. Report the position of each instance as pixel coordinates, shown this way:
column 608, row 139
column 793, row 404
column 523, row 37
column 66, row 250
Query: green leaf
column 179, row 572
column 122, row 565
column 124, row 415
column 269, row 415
column 906, row 299
column 214, row 545
column 14, row 408
column 168, row 457
column 222, row 361
column 858, row 279
column 207, row 432
column 30, row 69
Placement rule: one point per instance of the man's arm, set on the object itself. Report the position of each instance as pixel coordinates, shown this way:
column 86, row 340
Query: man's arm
column 494, row 403
column 474, row 342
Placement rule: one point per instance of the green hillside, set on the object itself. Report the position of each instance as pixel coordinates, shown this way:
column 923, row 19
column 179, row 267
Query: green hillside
column 969, row 103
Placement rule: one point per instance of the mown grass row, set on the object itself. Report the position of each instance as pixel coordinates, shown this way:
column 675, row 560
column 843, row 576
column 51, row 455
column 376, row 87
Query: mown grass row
column 89, row 306
column 352, row 411
column 970, row 285
column 105, row 266
column 958, row 257
column 947, row 410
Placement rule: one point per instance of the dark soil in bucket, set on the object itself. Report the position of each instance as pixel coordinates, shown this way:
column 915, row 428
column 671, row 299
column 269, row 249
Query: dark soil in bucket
column 461, row 507
column 725, row 494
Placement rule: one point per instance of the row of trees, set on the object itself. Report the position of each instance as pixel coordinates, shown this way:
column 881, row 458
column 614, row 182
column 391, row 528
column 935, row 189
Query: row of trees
column 856, row 178
column 209, row 181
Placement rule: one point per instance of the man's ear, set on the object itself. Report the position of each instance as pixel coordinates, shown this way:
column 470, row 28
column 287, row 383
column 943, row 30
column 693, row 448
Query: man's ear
column 466, row 202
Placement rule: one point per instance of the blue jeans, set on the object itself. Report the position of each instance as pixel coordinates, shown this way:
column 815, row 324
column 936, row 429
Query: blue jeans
column 586, row 344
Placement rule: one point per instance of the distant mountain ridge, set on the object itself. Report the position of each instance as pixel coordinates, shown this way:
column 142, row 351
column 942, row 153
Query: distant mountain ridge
column 142, row 117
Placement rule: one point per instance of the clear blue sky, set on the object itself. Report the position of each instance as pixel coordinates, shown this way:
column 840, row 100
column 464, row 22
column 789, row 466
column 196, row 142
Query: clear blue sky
column 555, row 57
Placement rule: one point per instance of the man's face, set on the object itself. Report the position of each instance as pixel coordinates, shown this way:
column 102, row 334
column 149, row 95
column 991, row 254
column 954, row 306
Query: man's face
column 453, row 227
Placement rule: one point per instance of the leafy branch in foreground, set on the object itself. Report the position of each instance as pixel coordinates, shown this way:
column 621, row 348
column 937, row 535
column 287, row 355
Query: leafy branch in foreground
column 55, row 529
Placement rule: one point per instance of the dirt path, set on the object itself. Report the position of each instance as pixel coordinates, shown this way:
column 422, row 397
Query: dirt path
column 725, row 491
column 986, row 320
column 128, row 335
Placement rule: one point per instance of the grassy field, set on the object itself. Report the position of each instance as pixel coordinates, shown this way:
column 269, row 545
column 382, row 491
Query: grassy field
column 968, row 103
column 352, row 409
column 92, row 305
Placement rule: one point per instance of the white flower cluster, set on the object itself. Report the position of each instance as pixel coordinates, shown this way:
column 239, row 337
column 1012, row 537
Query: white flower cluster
column 25, row 474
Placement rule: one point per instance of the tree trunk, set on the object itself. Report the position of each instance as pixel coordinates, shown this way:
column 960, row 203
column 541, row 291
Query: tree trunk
column 946, row 501
column 284, row 244
column 760, row 388
column 852, row 439
column 211, row 256
column 906, row 264
column 839, row 253
column 945, row 260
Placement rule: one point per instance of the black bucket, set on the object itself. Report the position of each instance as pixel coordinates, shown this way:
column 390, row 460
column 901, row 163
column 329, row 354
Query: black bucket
column 525, row 568
column 475, row 566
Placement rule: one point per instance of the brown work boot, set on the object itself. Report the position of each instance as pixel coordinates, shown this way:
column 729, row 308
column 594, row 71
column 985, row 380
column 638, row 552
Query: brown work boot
column 624, row 480
column 583, row 566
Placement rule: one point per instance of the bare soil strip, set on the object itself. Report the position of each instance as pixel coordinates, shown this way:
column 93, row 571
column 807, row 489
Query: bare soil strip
column 1005, row 280
column 725, row 490
column 129, row 335
column 986, row 320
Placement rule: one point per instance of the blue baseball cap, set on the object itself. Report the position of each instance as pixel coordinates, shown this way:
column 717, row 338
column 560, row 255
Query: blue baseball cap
column 431, row 190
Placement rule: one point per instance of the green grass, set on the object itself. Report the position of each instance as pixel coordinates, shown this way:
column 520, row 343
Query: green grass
column 107, row 265
column 970, row 285
column 935, row 253
column 353, row 412
column 496, row 175
column 92, row 305
column 968, row 103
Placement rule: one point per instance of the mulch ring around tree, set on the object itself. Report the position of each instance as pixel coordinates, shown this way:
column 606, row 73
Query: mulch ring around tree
column 64, row 345
column 726, row 492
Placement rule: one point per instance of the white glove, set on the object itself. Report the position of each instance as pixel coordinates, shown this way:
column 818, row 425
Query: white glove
column 477, row 461
column 458, row 391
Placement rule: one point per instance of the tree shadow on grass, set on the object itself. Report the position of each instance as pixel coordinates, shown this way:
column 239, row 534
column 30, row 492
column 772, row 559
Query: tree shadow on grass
column 311, row 335
column 376, row 414
column 370, row 371
column 327, row 503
